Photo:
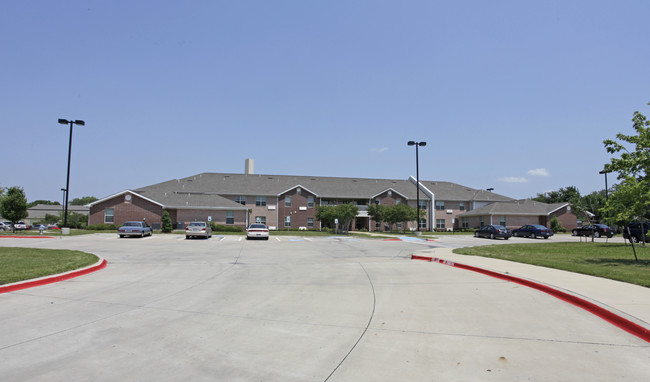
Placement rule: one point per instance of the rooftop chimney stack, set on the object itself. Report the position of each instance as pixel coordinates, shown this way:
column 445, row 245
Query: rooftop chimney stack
column 249, row 167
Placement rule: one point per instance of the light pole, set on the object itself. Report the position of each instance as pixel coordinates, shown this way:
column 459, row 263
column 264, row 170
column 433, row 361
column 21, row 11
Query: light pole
column 67, row 182
column 606, row 192
column 417, row 176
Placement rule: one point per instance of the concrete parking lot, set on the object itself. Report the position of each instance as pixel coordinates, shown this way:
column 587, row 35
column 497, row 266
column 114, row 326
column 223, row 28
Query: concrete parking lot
column 311, row 309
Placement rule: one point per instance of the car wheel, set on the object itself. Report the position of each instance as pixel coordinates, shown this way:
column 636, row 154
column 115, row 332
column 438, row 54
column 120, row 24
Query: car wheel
column 532, row 235
column 596, row 234
column 121, row 236
column 266, row 238
column 475, row 234
column 574, row 233
column 492, row 236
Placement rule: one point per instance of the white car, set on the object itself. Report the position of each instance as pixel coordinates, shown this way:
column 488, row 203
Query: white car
column 257, row 231
column 5, row 226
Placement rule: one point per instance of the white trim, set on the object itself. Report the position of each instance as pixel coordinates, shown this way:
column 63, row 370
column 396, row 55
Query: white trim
column 386, row 190
column 302, row 188
column 122, row 193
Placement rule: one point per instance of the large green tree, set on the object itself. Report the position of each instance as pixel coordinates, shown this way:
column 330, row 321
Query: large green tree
column 82, row 201
column 345, row 213
column 13, row 205
column 630, row 199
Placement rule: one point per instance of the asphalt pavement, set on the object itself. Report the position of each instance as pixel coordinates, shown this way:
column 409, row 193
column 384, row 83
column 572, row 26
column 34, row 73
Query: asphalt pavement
column 313, row 309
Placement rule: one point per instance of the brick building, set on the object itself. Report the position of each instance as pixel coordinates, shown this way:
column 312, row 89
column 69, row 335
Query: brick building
column 282, row 201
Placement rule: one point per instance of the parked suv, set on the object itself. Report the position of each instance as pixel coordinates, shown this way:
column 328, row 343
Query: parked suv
column 637, row 232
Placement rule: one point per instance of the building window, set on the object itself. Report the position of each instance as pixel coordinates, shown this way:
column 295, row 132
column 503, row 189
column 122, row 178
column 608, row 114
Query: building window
column 423, row 223
column 378, row 225
column 260, row 219
column 240, row 199
column 462, row 206
column 287, row 221
column 397, row 201
column 440, row 223
column 482, row 221
column 109, row 216
column 310, row 222
column 465, row 223
column 287, row 201
column 423, row 204
column 503, row 221
column 579, row 223
column 399, row 225
column 310, row 201
column 440, row 205
column 230, row 217
column 260, row 201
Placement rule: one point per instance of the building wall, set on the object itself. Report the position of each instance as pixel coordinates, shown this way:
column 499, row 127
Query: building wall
column 299, row 211
column 566, row 218
column 124, row 210
column 185, row 216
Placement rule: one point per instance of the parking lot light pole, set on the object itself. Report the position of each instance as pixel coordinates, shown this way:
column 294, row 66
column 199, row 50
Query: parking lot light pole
column 67, row 182
column 606, row 192
column 417, row 177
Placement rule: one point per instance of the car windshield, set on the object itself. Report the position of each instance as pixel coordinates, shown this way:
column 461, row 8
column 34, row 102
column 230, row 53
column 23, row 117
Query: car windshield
column 197, row 224
column 132, row 224
column 257, row 226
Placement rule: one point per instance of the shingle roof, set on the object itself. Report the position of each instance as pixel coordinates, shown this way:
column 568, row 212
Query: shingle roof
column 517, row 207
column 206, row 187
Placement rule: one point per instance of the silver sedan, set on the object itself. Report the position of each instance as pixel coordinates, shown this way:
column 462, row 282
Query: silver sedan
column 198, row 229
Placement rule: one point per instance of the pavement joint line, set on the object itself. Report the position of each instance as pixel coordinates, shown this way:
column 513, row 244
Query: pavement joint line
column 614, row 319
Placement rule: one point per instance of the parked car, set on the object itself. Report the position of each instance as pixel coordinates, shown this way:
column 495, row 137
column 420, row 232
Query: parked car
column 52, row 226
column 5, row 226
column 637, row 232
column 533, row 231
column 493, row 231
column 20, row 226
column 198, row 229
column 598, row 230
column 134, row 228
column 257, row 231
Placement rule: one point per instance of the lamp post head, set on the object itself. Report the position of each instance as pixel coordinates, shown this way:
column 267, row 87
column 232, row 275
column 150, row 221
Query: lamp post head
column 79, row 122
column 63, row 121
column 410, row 143
column 422, row 144
column 76, row 122
column 604, row 172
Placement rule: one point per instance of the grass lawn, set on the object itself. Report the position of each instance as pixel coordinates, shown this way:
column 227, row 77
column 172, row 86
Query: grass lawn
column 18, row 264
column 609, row 260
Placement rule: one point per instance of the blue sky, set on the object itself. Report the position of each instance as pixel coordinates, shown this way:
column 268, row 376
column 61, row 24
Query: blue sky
column 514, row 95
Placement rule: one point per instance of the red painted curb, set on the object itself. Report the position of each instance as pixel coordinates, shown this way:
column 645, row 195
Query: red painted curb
column 392, row 239
column 52, row 279
column 28, row 237
column 614, row 319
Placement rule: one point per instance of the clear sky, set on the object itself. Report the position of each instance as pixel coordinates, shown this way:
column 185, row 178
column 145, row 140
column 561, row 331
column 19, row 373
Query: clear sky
column 514, row 95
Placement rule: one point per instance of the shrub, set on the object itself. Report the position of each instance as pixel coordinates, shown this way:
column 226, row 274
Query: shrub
column 102, row 227
column 556, row 226
column 225, row 228
column 166, row 223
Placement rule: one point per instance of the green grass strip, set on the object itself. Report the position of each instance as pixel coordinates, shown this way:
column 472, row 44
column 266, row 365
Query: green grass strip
column 609, row 260
column 19, row 264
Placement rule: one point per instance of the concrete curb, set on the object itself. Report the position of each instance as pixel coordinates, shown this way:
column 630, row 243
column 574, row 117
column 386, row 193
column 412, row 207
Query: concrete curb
column 101, row 264
column 612, row 318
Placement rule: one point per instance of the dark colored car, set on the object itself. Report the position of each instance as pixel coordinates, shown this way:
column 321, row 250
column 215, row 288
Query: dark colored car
column 140, row 229
column 598, row 230
column 638, row 231
column 493, row 231
column 533, row 231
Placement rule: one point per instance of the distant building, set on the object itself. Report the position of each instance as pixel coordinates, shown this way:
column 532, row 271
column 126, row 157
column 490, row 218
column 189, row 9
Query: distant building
column 285, row 201
column 38, row 212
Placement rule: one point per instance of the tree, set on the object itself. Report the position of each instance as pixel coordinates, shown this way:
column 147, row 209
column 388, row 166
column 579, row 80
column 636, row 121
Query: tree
column 82, row 201
column 166, row 222
column 13, row 205
column 377, row 212
column 629, row 201
column 403, row 213
column 569, row 194
column 345, row 213
column 45, row 202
